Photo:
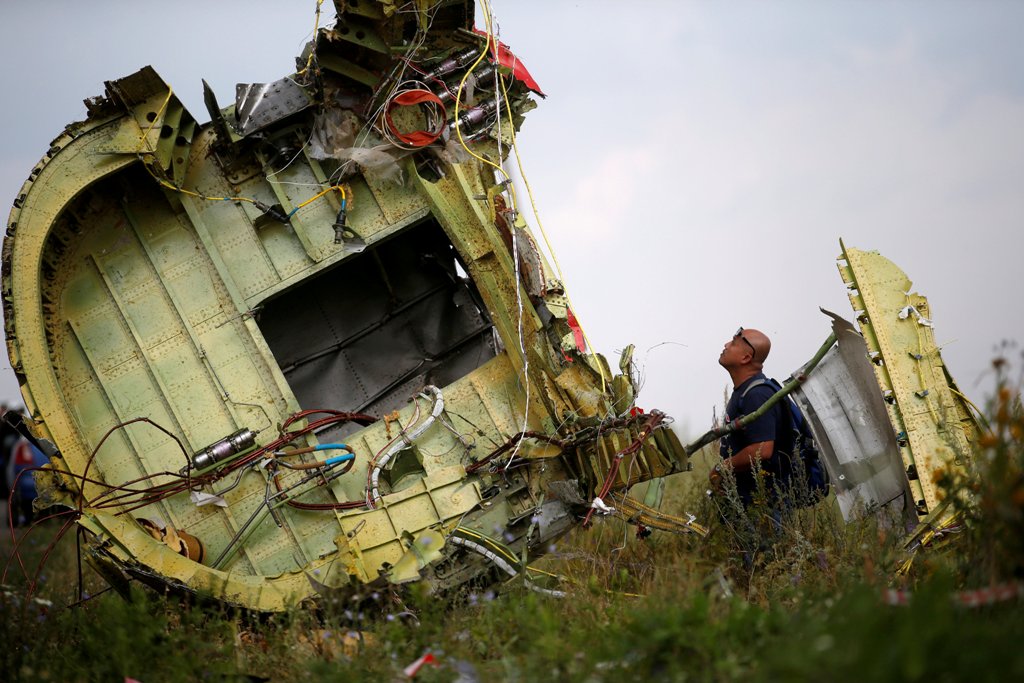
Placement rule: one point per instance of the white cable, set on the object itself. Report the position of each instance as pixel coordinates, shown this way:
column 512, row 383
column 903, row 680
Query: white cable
column 544, row 591
column 493, row 557
column 504, row 566
column 406, row 440
column 492, row 37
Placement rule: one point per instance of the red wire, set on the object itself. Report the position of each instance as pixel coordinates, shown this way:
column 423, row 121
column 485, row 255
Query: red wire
column 653, row 421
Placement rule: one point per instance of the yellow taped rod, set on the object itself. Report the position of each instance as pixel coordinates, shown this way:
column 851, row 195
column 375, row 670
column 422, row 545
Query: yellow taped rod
column 744, row 420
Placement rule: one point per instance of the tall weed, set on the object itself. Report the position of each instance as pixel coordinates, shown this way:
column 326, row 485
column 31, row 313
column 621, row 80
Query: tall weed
column 765, row 597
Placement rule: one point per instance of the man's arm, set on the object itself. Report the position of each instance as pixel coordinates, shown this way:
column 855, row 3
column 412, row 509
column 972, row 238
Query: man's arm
column 744, row 460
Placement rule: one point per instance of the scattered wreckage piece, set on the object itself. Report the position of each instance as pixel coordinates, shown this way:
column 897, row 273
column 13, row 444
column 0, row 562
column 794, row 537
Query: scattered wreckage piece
column 847, row 415
column 883, row 408
column 307, row 345
column 934, row 425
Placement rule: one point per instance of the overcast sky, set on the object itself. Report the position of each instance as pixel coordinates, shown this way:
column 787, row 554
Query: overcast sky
column 695, row 163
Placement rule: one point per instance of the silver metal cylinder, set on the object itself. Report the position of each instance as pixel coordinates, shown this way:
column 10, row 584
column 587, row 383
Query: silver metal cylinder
column 454, row 62
column 241, row 440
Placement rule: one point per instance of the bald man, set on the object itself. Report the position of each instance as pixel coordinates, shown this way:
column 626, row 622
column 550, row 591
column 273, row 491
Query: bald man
column 769, row 439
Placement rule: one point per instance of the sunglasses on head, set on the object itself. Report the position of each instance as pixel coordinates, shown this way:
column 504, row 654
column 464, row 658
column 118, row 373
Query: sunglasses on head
column 753, row 351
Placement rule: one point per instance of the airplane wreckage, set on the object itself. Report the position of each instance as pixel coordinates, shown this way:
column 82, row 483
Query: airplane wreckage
column 312, row 345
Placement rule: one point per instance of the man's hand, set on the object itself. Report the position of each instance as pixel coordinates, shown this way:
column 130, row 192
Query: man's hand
column 715, row 478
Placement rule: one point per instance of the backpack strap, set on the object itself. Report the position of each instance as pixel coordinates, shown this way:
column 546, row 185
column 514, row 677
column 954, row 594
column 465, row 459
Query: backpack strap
column 793, row 410
column 795, row 415
column 755, row 383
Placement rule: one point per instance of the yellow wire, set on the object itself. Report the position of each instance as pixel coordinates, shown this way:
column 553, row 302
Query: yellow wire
column 156, row 117
column 504, row 551
column 568, row 579
column 315, row 197
column 543, row 232
column 458, row 103
column 312, row 48
column 545, row 573
column 977, row 410
column 142, row 141
column 171, row 186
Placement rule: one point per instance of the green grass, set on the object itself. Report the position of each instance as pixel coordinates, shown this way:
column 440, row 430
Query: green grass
column 804, row 604
column 831, row 624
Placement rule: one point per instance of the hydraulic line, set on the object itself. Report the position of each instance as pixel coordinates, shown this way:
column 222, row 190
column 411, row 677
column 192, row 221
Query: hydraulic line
column 274, row 501
column 511, row 568
column 400, row 444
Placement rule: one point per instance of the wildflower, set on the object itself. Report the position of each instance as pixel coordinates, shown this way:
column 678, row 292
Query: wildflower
column 822, row 560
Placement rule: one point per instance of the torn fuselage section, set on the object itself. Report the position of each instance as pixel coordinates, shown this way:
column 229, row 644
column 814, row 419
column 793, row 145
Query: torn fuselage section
column 316, row 340
column 855, row 439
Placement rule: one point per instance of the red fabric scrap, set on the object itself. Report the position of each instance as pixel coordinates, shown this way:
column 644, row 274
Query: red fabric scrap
column 510, row 61
column 415, row 667
column 577, row 331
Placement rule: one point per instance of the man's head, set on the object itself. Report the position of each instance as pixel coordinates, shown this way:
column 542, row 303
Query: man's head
column 745, row 352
